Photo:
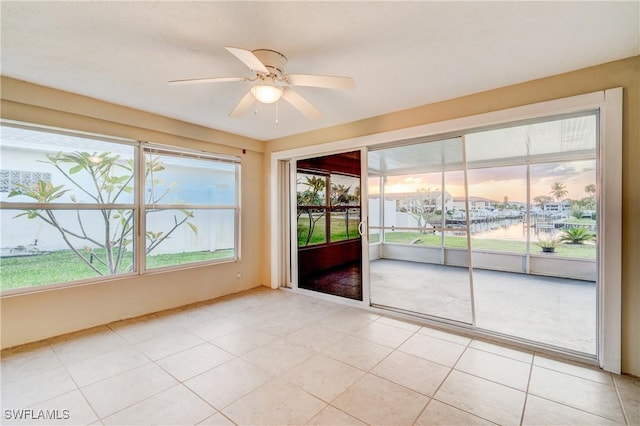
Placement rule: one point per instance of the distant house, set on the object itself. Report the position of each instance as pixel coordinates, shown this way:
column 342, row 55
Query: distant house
column 475, row 203
column 429, row 198
column 557, row 207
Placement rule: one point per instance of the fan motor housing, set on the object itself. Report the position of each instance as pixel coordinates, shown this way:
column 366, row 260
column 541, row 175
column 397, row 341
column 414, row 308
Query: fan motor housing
column 272, row 60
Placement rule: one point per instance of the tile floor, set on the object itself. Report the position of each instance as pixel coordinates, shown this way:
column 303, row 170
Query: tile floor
column 268, row 357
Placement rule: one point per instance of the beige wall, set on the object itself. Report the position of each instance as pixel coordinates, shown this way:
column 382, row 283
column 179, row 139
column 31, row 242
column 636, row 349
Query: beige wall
column 31, row 317
column 624, row 73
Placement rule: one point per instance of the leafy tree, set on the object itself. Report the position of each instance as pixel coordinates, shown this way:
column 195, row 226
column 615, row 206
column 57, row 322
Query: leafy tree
column 558, row 191
column 590, row 190
column 109, row 177
column 542, row 200
column 341, row 195
column 311, row 197
column 576, row 210
column 421, row 206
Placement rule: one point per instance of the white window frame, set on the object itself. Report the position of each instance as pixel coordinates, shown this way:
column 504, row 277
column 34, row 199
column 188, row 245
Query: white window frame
column 138, row 206
column 148, row 147
column 609, row 104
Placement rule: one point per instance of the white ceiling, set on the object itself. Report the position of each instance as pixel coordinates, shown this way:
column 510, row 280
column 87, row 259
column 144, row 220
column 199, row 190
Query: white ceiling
column 401, row 54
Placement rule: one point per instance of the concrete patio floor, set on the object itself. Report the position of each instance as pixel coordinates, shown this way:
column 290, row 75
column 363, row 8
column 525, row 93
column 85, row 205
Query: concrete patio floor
column 554, row 311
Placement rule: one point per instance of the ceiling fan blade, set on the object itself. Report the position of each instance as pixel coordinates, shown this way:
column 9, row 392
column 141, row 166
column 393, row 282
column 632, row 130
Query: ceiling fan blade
column 242, row 106
column 326, row 81
column 249, row 59
column 301, row 104
column 207, row 80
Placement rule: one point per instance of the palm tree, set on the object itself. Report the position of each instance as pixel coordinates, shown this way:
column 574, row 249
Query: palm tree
column 577, row 235
column 558, row 191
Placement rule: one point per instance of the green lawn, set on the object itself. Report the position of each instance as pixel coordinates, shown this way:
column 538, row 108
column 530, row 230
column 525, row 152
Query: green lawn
column 338, row 229
column 64, row 265
column 585, row 251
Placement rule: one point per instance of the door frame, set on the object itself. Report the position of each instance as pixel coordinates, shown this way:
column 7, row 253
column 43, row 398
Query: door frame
column 289, row 277
column 608, row 102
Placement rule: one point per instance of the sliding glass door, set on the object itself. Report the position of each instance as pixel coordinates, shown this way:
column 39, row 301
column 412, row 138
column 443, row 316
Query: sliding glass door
column 495, row 229
column 419, row 253
column 329, row 241
column 533, row 236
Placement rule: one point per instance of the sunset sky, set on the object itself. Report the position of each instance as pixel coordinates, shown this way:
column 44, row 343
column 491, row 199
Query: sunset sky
column 495, row 183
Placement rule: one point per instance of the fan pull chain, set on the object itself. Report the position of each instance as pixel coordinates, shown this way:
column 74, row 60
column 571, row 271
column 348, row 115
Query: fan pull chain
column 277, row 110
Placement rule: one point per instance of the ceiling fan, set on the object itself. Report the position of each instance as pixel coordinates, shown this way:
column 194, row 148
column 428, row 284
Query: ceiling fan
column 271, row 83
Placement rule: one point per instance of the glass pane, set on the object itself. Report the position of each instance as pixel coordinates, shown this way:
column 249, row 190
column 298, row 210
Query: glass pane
column 344, row 224
column 179, row 180
column 375, row 212
column 413, row 272
column 549, row 296
column 413, row 208
column 311, row 190
column 98, row 243
column 178, row 237
column 549, row 139
column 564, row 209
column 498, row 205
column 455, row 216
column 311, row 226
column 345, row 190
column 39, row 166
column 417, row 157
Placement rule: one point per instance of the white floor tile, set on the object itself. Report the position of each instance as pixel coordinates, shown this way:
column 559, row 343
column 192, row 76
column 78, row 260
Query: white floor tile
column 193, row 361
column 580, row 370
column 432, row 349
column 316, row 337
column 383, row 334
column 489, row 400
column 379, row 402
column 87, row 343
column 22, row 393
column 412, row 372
column 323, row 377
column 109, row 364
column 331, row 416
column 175, row 406
column 505, row 351
column 541, row 411
column 445, row 335
column 28, row 360
column 440, row 414
column 244, row 340
column 576, row 392
column 357, row 352
column 114, row 394
column 276, row 403
column 228, row 382
column 496, row 368
column 278, row 357
column 68, row 409
column 168, row 344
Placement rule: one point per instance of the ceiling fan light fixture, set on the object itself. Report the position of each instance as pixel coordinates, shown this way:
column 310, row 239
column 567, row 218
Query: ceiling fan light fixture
column 266, row 94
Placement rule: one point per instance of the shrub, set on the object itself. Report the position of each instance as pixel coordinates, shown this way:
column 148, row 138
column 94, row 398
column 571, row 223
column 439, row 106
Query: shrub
column 577, row 212
column 577, row 235
column 547, row 242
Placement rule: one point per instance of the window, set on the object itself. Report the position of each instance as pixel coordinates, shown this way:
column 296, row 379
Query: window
column 323, row 219
column 70, row 210
column 191, row 208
